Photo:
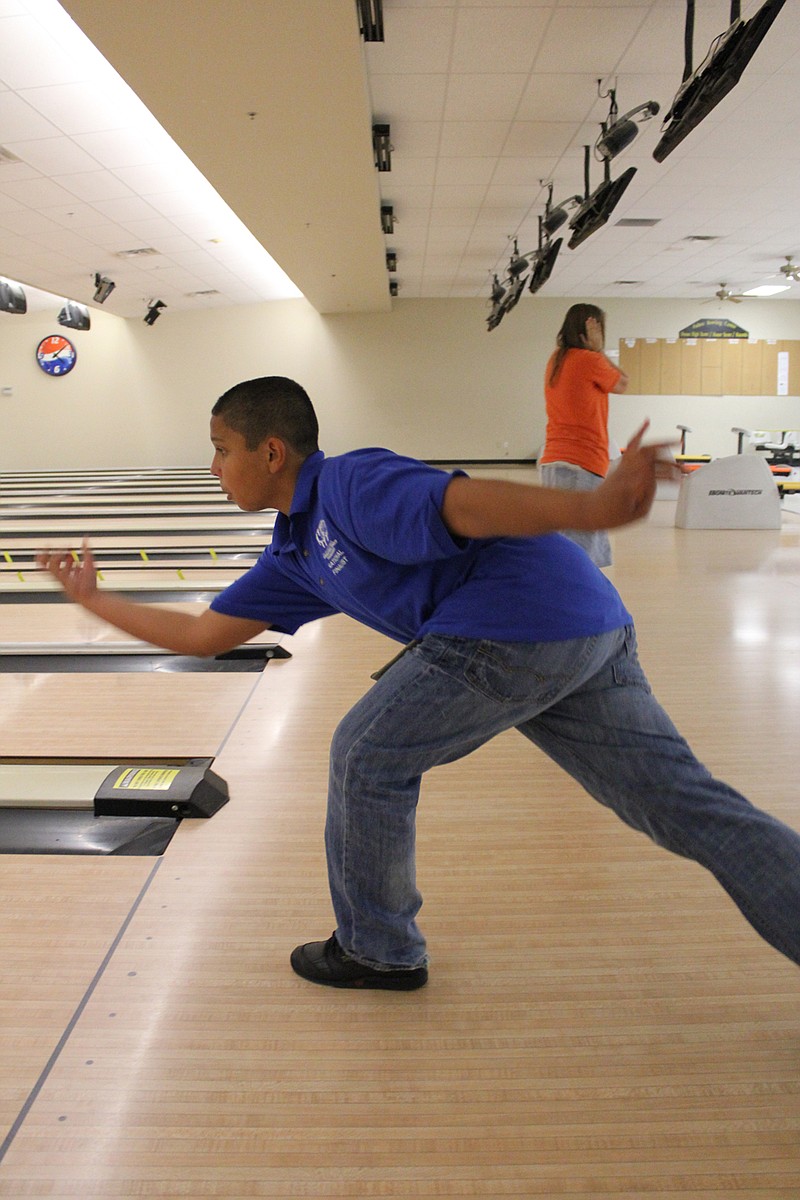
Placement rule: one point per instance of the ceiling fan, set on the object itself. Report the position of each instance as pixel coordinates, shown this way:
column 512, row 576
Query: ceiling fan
column 725, row 294
column 791, row 270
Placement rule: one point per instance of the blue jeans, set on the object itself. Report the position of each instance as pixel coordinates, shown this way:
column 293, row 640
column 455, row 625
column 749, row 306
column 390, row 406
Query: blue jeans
column 574, row 479
column 587, row 704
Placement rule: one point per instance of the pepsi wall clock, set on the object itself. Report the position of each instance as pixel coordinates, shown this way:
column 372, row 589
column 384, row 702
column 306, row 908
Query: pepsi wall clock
column 56, row 355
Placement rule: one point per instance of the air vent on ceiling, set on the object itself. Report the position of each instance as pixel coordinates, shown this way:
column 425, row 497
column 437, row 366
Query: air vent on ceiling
column 207, row 292
column 628, row 282
column 7, row 157
column 702, row 237
column 138, row 252
column 638, row 222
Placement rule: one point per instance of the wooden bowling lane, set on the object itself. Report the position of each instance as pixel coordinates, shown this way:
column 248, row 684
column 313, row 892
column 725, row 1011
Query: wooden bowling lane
column 199, row 542
column 61, row 917
column 89, row 490
column 233, row 521
column 154, row 714
column 145, row 476
column 110, row 560
column 42, row 626
column 141, row 580
column 148, row 503
column 64, row 915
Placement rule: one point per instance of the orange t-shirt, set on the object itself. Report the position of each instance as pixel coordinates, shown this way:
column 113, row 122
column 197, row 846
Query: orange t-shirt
column 577, row 410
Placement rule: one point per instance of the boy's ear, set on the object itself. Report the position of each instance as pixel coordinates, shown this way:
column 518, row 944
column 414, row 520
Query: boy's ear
column 274, row 449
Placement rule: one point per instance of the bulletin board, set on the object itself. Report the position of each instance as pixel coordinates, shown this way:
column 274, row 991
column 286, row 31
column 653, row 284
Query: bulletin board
column 710, row 367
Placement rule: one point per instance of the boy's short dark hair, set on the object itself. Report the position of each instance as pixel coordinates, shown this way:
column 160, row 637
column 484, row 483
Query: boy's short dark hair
column 272, row 406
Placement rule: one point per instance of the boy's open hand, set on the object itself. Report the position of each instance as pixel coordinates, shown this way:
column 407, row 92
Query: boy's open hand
column 628, row 492
column 78, row 577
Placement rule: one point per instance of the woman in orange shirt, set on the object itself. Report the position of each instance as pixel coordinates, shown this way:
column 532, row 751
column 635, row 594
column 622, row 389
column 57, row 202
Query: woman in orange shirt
column 577, row 383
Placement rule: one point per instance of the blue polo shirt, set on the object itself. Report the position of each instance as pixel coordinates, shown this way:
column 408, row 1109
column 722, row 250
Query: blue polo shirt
column 365, row 537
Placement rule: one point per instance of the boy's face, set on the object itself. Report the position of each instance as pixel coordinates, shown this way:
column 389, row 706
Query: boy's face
column 247, row 476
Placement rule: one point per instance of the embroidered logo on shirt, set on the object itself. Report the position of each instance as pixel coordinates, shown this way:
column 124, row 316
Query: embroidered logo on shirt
column 336, row 559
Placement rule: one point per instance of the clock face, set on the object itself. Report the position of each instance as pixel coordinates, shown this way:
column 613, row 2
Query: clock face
column 56, row 355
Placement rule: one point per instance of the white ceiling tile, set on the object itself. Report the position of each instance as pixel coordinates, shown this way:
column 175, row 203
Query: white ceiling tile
column 447, row 240
column 53, row 156
column 410, row 170
column 556, row 97
column 519, row 31
column 119, row 148
column 465, row 171
column 178, row 205
column 70, row 107
column 110, row 236
column 520, row 198
column 179, row 278
column 415, row 138
column 36, row 193
column 73, row 216
column 19, row 121
column 604, row 4
column 417, row 97
column 455, row 197
column 9, row 205
column 161, row 234
column 128, row 208
column 30, row 56
column 146, row 178
column 599, row 52
column 92, row 186
column 523, row 172
column 538, row 138
column 28, row 223
column 412, row 208
column 417, row 41
column 453, row 216
column 657, row 47
column 483, row 97
column 478, row 139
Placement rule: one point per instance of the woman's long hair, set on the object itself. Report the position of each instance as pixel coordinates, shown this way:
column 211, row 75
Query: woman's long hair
column 572, row 334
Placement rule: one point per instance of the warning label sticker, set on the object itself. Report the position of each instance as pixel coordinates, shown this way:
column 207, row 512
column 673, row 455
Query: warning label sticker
column 147, row 779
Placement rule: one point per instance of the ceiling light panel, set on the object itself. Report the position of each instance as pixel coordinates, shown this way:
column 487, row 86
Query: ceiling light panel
column 73, row 123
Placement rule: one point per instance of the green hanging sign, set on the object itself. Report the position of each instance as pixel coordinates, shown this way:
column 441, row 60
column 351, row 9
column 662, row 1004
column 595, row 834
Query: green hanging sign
column 713, row 327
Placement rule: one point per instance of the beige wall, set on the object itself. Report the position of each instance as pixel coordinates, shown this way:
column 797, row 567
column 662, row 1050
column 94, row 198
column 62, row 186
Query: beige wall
column 426, row 379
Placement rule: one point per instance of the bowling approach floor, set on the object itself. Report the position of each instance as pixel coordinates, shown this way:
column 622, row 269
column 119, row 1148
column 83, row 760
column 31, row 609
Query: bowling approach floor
column 600, row 1021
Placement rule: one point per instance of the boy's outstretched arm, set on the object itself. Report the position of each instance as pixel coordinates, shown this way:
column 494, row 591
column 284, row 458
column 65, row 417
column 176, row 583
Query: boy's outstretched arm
column 476, row 508
column 204, row 634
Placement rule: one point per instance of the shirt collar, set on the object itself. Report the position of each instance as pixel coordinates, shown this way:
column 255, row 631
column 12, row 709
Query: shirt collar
column 306, row 478
column 283, row 533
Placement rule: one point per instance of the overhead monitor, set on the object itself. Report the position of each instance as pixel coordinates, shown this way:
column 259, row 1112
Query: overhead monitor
column 595, row 211
column 74, row 316
column 12, row 298
column 714, row 78
column 543, row 265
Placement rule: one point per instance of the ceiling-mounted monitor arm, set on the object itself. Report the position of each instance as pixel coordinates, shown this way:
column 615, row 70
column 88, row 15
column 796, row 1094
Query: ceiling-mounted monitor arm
column 611, row 95
column 688, row 40
column 688, row 33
